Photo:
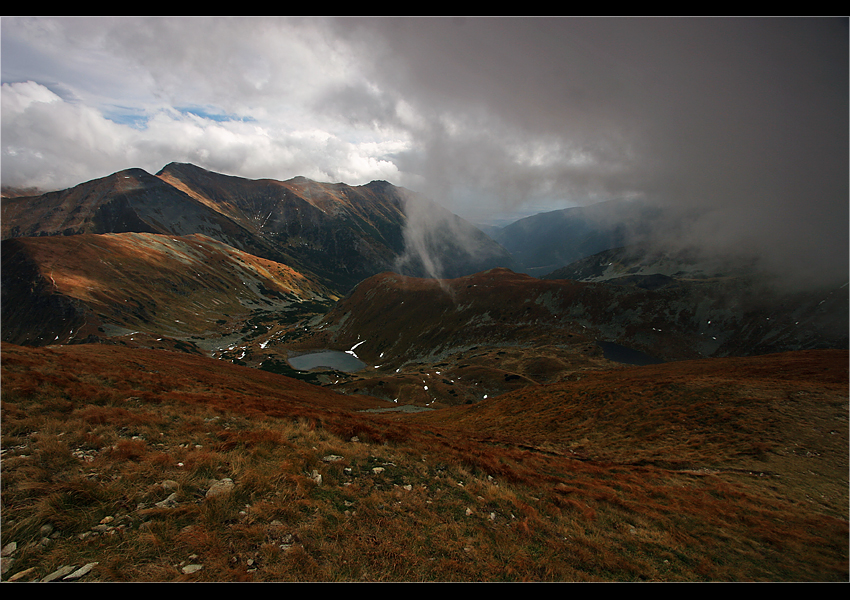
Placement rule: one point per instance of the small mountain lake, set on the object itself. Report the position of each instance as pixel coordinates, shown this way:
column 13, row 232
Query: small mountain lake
column 328, row 359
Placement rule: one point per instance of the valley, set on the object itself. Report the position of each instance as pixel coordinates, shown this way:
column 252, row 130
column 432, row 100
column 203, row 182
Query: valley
column 641, row 412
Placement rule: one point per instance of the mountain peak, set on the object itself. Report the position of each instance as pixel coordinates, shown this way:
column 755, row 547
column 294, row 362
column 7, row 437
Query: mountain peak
column 178, row 167
column 131, row 172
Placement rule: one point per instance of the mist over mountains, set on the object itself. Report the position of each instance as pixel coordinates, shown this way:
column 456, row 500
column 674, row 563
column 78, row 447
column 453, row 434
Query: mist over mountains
column 193, row 297
column 182, row 245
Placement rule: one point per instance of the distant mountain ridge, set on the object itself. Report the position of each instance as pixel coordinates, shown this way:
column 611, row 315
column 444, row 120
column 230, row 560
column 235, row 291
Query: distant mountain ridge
column 174, row 255
column 339, row 233
column 547, row 241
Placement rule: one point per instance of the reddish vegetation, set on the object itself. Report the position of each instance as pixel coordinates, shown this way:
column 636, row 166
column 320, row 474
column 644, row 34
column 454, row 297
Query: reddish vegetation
column 162, row 375
column 544, row 460
column 722, row 469
column 411, row 319
column 709, row 412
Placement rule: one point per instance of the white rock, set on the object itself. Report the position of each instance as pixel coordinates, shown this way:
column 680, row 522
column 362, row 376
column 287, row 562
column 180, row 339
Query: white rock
column 80, row 572
column 60, row 572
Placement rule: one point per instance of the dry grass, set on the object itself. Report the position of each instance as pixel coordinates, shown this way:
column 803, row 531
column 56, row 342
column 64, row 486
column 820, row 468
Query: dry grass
column 94, row 437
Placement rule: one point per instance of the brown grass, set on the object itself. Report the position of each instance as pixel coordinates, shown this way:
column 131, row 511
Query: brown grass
column 708, row 471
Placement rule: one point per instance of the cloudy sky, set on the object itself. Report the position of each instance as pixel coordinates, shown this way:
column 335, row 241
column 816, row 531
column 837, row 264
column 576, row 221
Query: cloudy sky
column 747, row 116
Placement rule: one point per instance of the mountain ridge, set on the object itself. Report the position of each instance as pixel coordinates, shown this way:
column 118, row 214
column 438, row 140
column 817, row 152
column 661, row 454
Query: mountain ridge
column 546, row 241
column 340, row 233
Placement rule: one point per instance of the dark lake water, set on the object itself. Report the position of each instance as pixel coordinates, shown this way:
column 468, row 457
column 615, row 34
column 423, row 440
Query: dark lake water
column 329, row 359
column 625, row 355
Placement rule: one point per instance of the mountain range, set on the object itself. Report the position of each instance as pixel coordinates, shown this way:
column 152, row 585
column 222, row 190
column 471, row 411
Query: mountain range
column 337, row 233
column 198, row 259
column 571, row 397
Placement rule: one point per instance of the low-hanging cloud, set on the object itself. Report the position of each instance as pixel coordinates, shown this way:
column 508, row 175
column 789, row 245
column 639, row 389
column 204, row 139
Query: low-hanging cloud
column 745, row 120
column 741, row 121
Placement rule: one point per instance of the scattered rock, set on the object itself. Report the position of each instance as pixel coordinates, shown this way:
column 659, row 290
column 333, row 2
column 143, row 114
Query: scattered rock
column 287, row 541
column 22, row 574
column 332, row 458
column 317, row 477
column 189, row 569
column 169, row 502
column 59, row 573
column 84, row 570
column 220, row 487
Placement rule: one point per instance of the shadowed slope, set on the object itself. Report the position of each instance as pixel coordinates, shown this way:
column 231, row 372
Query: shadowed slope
column 340, row 234
column 345, row 233
column 702, row 413
column 410, row 319
column 68, row 288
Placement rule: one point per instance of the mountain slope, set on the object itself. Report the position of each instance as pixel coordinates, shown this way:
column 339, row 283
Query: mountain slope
column 719, row 470
column 340, row 234
column 61, row 289
column 709, row 412
column 411, row 319
column 649, row 259
column 127, row 201
column 131, row 200
column 345, row 233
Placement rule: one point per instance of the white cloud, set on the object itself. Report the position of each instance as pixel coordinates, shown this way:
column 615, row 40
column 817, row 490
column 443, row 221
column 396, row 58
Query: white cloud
column 16, row 97
column 52, row 143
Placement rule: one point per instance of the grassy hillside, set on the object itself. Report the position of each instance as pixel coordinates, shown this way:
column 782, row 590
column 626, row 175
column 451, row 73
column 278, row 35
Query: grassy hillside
column 141, row 285
column 718, row 470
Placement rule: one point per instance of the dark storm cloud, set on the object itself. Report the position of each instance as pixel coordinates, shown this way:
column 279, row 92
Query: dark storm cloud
column 745, row 118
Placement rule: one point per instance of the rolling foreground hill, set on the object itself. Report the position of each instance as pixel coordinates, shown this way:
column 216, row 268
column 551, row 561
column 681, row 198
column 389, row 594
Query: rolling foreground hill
column 127, row 464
